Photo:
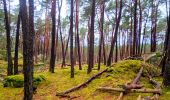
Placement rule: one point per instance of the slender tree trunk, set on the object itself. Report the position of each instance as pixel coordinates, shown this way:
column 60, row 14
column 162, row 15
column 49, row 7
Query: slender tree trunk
column 116, row 53
column 88, row 40
column 8, row 46
column 140, row 27
column 71, row 40
column 28, row 40
column 101, row 31
column 135, row 28
column 166, row 72
column 16, row 46
column 65, row 51
column 167, row 35
column 53, row 54
column 154, row 25
column 59, row 30
column 115, row 36
column 131, row 32
column 77, row 31
column 91, row 45
column 104, row 51
column 46, row 34
column 144, row 33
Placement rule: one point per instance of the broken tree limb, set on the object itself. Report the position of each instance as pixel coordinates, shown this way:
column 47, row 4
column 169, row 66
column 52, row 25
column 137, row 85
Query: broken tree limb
column 134, row 58
column 67, row 96
column 120, row 96
column 130, row 91
column 133, row 84
column 157, row 87
column 83, row 84
column 139, row 97
column 155, row 84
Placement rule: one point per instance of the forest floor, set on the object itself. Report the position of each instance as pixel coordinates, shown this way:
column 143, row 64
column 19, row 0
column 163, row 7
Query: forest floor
column 121, row 73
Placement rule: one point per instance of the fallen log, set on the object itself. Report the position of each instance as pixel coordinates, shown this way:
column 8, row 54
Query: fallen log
column 82, row 84
column 149, row 57
column 133, row 84
column 130, row 91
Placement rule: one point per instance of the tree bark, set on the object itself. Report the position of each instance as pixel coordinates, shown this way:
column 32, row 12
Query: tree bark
column 53, row 54
column 166, row 73
column 91, row 44
column 135, row 28
column 140, row 28
column 71, row 40
column 28, row 40
column 77, row 31
column 59, row 30
column 115, row 36
column 102, row 7
column 16, row 46
column 8, row 46
column 65, row 51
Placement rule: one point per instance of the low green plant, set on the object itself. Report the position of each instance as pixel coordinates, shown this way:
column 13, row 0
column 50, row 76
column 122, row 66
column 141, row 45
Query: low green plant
column 18, row 80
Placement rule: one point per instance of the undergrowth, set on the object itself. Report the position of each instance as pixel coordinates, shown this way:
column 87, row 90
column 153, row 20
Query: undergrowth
column 119, row 74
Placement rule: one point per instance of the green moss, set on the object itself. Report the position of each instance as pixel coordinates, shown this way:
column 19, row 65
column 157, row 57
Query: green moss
column 133, row 66
column 158, row 54
column 121, row 73
column 18, row 80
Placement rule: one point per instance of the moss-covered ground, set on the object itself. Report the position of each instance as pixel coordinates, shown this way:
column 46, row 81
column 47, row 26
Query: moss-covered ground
column 119, row 74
